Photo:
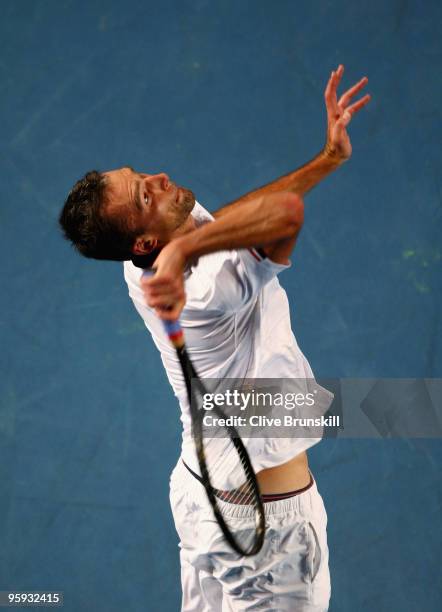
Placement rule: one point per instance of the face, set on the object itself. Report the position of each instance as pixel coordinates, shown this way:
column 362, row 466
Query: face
column 148, row 201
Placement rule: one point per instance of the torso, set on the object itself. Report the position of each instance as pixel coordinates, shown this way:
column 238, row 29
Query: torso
column 286, row 477
column 254, row 341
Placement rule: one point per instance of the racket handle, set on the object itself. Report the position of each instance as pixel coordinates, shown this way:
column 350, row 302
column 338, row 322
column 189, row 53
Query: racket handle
column 172, row 328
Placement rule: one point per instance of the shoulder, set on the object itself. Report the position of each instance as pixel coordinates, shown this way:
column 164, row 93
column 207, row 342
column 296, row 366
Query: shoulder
column 201, row 214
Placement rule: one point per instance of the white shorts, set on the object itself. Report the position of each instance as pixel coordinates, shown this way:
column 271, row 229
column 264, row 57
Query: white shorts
column 290, row 573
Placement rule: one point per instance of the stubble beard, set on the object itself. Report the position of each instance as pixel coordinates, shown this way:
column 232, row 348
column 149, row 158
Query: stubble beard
column 184, row 207
column 188, row 202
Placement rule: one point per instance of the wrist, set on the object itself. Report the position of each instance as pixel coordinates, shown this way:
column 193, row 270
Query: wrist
column 331, row 153
column 182, row 245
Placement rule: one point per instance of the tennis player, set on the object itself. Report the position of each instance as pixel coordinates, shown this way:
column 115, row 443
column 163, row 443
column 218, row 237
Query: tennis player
column 218, row 274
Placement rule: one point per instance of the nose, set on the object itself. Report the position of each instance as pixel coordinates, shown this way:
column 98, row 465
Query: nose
column 161, row 179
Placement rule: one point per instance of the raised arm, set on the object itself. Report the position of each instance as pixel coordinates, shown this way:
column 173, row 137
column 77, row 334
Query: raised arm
column 336, row 151
column 270, row 217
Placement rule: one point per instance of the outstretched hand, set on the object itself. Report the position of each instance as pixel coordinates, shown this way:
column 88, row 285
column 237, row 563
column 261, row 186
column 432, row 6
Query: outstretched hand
column 340, row 113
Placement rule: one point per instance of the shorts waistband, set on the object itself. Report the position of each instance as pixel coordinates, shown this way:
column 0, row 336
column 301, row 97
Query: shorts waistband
column 291, row 501
column 269, row 497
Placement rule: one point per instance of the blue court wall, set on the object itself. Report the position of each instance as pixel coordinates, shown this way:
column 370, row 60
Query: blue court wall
column 225, row 97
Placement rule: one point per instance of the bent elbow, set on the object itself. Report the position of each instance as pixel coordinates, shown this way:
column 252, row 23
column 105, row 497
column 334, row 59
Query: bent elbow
column 294, row 212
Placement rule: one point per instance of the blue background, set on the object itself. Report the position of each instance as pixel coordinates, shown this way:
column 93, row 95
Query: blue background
column 225, row 97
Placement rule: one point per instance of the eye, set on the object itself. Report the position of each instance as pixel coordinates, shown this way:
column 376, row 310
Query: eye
column 146, row 199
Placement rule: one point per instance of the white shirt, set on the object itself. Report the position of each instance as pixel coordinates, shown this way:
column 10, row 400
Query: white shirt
column 236, row 323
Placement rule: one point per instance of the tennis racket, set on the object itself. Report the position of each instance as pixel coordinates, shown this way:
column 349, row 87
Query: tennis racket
column 217, row 457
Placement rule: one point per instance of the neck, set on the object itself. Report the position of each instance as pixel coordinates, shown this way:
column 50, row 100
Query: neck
column 188, row 226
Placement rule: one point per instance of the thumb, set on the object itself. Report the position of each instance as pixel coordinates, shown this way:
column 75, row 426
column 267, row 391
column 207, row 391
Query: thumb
column 339, row 130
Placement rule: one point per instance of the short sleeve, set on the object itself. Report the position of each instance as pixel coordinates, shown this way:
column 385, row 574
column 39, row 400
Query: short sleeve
column 227, row 281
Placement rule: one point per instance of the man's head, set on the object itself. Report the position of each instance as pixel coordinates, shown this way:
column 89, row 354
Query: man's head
column 122, row 213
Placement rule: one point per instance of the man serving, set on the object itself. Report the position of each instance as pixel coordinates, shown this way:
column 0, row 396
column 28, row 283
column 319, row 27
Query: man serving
column 218, row 275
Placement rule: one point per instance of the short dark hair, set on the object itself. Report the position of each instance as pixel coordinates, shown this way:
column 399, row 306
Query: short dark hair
column 85, row 223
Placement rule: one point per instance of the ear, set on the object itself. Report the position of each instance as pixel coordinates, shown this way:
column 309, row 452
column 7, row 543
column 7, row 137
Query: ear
column 144, row 246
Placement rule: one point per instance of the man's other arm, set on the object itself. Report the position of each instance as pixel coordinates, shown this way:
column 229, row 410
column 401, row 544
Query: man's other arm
column 273, row 221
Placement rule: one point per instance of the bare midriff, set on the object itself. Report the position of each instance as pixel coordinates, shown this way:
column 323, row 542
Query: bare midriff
column 286, row 477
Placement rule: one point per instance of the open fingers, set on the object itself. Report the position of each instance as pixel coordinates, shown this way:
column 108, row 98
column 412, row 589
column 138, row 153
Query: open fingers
column 330, row 91
column 338, row 74
column 348, row 95
column 330, row 94
column 353, row 108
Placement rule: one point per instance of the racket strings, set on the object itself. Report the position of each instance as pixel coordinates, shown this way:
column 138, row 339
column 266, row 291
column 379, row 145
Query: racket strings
column 226, row 470
column 220, row 468
column 224, row 454
column 243, row 495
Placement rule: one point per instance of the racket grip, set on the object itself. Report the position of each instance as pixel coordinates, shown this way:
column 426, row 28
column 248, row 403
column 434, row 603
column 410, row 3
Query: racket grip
column 172, row 328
